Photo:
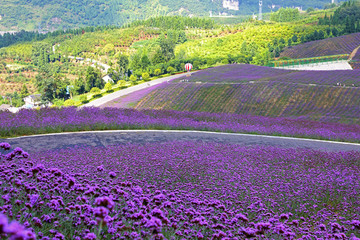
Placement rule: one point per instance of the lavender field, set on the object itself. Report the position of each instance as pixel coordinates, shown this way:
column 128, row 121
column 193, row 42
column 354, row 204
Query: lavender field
column 331, row 46
column 274, row 99
column 179, row 190
column 245, row 73
column 234, row 73
column 52, row 120
column 332, row 96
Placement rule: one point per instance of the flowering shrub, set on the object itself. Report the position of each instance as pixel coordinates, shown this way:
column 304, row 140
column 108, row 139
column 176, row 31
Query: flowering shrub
column 49, row 120
column 183, row 190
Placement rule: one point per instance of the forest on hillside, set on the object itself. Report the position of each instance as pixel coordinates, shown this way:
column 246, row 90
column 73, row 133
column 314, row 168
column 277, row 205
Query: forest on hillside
column 51, row 15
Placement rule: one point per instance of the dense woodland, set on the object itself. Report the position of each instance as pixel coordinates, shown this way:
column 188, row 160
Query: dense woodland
column 347, row 15
column 50, row 15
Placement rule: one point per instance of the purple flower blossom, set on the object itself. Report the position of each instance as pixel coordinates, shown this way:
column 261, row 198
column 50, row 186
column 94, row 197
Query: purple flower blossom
column 5, row 146
column 90, row 236
column 105, row 202
column 112, row 174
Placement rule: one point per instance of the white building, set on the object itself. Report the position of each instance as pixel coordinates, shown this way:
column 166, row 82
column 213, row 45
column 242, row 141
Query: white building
column 231, row 4
column 107, row 79
column 5, row 107
column 33, row 100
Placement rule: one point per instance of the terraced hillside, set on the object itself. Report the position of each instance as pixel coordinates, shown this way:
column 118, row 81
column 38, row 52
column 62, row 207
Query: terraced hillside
column 314, row 95
column 331, row 46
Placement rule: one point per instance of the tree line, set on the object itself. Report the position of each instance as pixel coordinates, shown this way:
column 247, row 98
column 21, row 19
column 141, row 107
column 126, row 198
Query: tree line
column 347, row 16
column 174, row 22
column 27, row 36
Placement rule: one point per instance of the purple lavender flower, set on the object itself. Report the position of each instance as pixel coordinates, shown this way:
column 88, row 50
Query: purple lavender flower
column 105, row 202
column 112, row 174
column 5, row 146
column 90, row 236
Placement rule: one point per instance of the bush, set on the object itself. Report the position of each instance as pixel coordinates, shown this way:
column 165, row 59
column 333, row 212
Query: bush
column 157, row 72
column 133, row 78
column 196, row 64
column 69, row 102
column 83, row 98
column 121, row 83
column 58, row 102
column 210, row 62
column 170, row 70
column 145, row 76
column 225, row 61
column 95, row 90
column 99, row 95
column 108, row 87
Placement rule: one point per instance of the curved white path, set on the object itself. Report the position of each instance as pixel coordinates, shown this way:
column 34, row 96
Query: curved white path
column 112, row 96
column 37, row 143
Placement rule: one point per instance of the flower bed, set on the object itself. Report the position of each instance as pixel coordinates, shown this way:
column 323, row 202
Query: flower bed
column 178, row 190
column 52, row 120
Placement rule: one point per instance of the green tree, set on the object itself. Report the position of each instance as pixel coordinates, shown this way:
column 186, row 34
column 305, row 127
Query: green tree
column 123, row 63
column 277, row 52
column 144, row 62
column 79, row 85
column 51, row 85
column 24, row 91
column 310, row 9
column 157, row 57
column 135, row 61
column 167, row 47
column 93, row 79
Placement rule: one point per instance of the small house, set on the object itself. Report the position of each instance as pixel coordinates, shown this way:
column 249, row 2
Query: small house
column 5, row 107
column 33, row 100
column 107, row 79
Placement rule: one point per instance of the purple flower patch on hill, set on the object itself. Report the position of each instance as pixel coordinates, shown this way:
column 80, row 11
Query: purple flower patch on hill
column 331, row 46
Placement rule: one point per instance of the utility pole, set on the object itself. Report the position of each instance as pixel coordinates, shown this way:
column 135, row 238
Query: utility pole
column 260, row 9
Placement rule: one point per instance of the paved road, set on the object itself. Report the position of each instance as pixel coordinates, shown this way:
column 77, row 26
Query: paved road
column 123, row 92
column 105, row 138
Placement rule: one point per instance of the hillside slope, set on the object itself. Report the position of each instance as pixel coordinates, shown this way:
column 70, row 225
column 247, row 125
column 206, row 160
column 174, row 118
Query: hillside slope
column 331, row 46
column 313, row 95
column 50, row 15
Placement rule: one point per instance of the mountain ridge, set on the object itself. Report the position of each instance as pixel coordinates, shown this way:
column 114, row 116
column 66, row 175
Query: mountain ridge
column 52, row 15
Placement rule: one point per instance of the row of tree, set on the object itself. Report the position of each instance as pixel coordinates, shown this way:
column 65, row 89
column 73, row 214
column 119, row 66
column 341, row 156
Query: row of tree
column 347, row 15
column 174, row 22
column 285, row 15
column 27, row 36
